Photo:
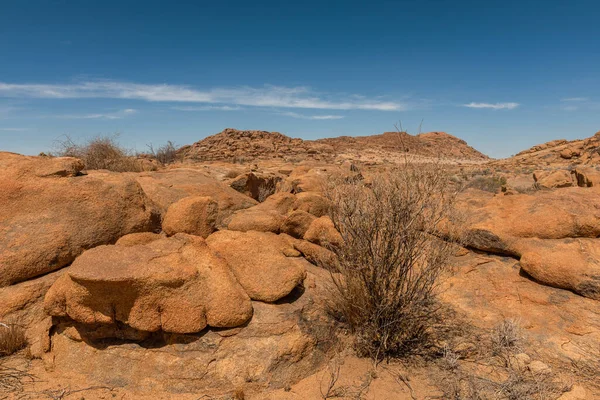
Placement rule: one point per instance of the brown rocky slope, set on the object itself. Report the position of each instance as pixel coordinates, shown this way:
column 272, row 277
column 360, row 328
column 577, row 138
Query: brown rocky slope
column 233, row 144
column 559, row 152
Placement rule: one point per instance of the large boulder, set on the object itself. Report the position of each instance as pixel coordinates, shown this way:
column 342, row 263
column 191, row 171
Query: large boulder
column 297, row 223
column 23, row 304
column 196, row 215
column 572, row 264
column 553, row 179
column 586, row 176
column 45, row 222
column 18, row 167
column 567, row 213
column 264, row 217
column 322, row 232
column 312, row 203
column 169, row 186
column 172, row 284
column 256, row 219
column 265, row 264
column 553, row 233
column 280, row 345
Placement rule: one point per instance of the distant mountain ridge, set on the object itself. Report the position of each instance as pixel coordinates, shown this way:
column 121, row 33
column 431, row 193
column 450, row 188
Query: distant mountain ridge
column 246, row 145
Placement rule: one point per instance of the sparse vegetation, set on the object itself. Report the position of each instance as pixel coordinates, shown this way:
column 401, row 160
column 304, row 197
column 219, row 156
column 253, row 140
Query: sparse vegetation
column 165, row 154
column 506, row 337
column 266, row 189
column 391, row 260
column 101, row 152
column 488, row 183
column 466, row 378
column 12, row 339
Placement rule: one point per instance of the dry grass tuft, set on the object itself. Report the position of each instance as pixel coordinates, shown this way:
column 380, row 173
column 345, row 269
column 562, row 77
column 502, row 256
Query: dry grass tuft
column 391, row 258
column 506, row 337
column 99, row 153
column 12, row 339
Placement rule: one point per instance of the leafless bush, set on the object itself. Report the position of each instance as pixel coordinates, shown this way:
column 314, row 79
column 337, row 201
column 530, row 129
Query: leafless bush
column 12, row 339
column 506, row 337
column 12, row 379
column 102, row 152
column 391, row 258
column 165, row 154
column 266, row 189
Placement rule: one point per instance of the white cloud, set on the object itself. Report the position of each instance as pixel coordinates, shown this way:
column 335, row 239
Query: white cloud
column 114, row 115
column 208, row 108
column 13, row 129
column 267, row 96
column 571, row 99
column 312, row 117
column 494, row 106
column 570, row 108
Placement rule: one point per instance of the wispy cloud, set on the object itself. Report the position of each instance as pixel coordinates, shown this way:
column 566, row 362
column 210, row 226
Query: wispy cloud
column 13, row 129
column 570, row 108
column 266, row 96
column 575, row 99
column 313, row 117
column 494, row 106
column 208, row 108
column 114, row 115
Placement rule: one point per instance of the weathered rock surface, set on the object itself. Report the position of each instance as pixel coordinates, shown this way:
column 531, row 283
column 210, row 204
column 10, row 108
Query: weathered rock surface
column 17, row 167
column 23, row 304
column 45, row 222
column 256, row 219
column 312, row 203
column 565, row 213
column 322, row 232
column 554, row 233
column 172, row 284
column 134, row 239
column 586, row 176
column 265, row 264
column 553, row 179
column 558, row 324
column 167, row 187
column 572, row 264
column 297, row 223
column 195, row 215
column 281, row 344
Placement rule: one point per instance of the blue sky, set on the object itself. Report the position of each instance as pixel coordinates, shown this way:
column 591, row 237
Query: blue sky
column 503, row 75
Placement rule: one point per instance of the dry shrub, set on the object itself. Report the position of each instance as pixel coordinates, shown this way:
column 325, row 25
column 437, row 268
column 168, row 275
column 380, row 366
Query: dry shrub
column 12, row 339
column 391, row 258
column 165, row 154
column 102, row 152
column 487, row 183
column 266, row 189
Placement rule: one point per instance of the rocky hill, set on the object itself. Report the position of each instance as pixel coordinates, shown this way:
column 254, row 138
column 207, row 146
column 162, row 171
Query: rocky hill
column 432, row 144
column 560, row 152
column 236, row 145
